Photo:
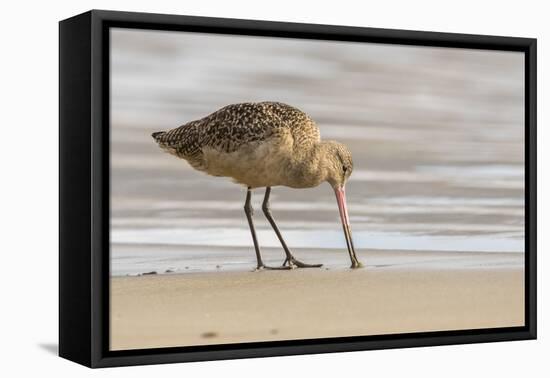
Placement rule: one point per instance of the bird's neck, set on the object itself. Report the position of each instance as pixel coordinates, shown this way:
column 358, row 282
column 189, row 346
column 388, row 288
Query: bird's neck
column 309, row 169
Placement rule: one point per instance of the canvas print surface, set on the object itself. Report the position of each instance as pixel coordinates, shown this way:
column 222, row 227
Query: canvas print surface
column 427, row 142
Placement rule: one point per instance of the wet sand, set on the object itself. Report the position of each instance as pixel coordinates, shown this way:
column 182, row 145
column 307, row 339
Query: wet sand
column 232, row 307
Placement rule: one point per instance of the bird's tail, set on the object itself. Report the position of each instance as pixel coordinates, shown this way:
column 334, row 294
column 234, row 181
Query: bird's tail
column 163, row 140
column 157, row 136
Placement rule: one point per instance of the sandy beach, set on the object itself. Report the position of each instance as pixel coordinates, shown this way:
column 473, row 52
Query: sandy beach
column 231, row 307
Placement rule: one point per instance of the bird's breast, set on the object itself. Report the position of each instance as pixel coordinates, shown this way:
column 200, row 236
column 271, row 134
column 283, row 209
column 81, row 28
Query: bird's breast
column 266, row 163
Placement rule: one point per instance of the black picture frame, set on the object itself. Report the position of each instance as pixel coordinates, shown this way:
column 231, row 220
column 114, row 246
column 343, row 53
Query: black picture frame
column 84, row 187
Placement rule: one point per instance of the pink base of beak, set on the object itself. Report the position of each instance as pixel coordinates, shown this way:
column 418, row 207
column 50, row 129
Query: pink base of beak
column 342, row 205
column 344, row 217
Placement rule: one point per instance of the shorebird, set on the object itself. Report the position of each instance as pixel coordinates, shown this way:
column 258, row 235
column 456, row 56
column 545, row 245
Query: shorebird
column 265, row 144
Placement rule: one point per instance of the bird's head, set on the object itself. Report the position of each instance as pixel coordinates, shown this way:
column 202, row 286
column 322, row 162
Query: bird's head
column 338, row 163
column 338, row 166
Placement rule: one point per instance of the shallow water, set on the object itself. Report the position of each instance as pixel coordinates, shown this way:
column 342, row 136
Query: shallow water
column 319, row 239
column 436, row 136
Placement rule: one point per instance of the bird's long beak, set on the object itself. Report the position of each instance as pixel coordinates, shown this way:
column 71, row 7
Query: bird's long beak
column 342, row 207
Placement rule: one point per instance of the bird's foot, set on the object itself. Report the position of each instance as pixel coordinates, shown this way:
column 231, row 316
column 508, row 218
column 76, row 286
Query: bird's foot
column 356, row 264
column 292, row 263
column 266, row 267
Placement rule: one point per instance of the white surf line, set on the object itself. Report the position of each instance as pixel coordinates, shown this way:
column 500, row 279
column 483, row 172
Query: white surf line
column 239, row 237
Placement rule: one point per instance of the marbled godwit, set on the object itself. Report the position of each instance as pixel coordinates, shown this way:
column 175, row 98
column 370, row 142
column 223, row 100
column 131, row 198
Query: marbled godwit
column 264, row 145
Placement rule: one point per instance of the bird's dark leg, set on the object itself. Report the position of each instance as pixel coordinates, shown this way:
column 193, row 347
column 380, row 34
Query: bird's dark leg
column 290, row 260
column 249, row 211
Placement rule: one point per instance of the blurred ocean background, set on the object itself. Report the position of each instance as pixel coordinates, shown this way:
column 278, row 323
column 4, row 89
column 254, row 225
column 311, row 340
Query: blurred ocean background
column 437, row 137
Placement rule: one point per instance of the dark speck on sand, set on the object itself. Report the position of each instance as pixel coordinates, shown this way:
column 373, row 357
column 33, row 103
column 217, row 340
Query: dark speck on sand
column 208, row 335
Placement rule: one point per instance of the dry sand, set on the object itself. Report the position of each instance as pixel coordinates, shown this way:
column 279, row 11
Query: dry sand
column 232, row 307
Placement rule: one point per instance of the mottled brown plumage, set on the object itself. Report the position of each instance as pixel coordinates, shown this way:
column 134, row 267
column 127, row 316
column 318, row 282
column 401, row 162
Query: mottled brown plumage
column 259, row 144
column 264, row 144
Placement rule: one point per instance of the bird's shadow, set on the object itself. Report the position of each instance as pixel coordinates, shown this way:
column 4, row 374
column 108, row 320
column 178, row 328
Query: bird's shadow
column 51, row 348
